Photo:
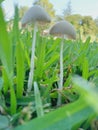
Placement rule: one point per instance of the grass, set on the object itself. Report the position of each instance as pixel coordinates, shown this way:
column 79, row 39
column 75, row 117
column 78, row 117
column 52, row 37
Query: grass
column 38, row 109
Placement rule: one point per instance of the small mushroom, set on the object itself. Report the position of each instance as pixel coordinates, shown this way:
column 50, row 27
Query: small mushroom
column 64, row 30
column 36, row 14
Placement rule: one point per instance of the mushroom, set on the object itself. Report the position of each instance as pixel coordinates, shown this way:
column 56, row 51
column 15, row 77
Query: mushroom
column 36, row 14
column 62, row 29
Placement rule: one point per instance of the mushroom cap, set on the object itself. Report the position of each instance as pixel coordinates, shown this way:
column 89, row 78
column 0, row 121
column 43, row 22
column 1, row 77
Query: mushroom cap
column 35, row 14
column 63, row 28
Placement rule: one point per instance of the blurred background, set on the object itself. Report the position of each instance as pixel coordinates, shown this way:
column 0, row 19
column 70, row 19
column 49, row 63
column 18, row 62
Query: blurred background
column 82, row 14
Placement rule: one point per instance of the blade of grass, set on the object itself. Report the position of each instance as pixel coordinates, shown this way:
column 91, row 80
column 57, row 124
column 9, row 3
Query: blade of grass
column 87, row 91
column 6, row 58
column 52, row 45
column 38, row 102
column 51, row 61
column 5, row 45
column 12, row 100
column 50, row 81
column 19, row 49
column 85, row 68
column 6, row 81
column 20, row 69
column 40, row 59
column 64, row 118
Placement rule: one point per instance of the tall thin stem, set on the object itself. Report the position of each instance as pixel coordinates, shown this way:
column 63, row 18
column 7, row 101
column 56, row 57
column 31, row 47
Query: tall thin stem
column 61, row 66
column 31, row 73
column 61, row 74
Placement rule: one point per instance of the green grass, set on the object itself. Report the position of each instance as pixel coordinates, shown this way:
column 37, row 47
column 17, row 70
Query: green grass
column 38, row 109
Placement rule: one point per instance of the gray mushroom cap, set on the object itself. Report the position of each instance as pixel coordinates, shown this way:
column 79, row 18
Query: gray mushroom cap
column 63, row 28
column 35, row 14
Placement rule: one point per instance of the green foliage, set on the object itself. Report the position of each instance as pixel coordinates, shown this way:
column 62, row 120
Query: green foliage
column 19, row 55
column 67, row 117
column 38, row 102
column 75, row 20
column 85, row 25
column 63, row 118
column 5, row 46
column 1, row 1
column 88, row 91
column 5, row 82
column 1, row 83
column 41, row 46
column 6, row 58
column 76, row 54
column 20, row 69
column 89, row 25
column 85, row 69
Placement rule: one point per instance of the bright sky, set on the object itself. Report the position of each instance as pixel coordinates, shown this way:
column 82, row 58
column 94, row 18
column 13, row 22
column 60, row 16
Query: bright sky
column 83, row 7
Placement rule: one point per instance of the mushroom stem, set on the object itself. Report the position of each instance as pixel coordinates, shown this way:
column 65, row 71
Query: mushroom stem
column 61, row 65
column 31, row 73
column 61, row 74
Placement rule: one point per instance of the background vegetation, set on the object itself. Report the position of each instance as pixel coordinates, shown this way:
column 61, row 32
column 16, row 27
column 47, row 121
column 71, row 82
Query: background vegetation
column 85, row 25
